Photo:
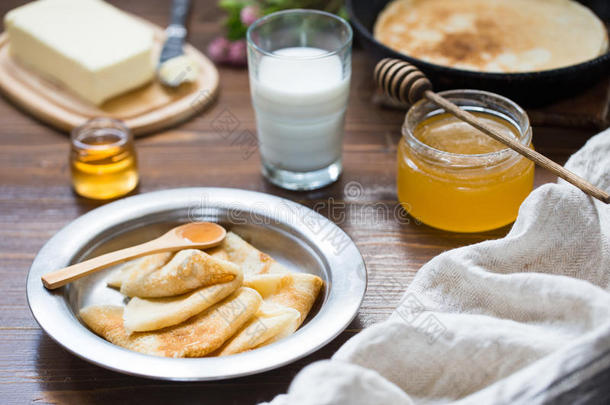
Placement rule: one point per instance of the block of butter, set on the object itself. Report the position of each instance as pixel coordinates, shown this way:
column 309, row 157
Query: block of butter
column 91, row 47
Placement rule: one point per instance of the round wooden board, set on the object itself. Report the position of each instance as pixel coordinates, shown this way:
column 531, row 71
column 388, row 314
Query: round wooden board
column 150, row 108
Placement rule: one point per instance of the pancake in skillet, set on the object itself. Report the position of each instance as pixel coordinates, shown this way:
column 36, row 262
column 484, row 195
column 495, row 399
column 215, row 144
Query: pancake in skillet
column 493, row 35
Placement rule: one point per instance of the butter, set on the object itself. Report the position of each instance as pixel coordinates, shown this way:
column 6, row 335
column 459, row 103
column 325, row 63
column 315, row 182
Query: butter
column 89, row 46
column 180, row 69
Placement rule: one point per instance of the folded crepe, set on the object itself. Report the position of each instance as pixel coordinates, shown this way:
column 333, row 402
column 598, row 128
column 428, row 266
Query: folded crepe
column 271, row 323
column 142, row 266
column 218, row 252
column 187, row 270
column 246, row 256
column 272, row 280
column 293, row 290
column 179, row 302
column 288, row 296
column 145, row 314
column 196, row 337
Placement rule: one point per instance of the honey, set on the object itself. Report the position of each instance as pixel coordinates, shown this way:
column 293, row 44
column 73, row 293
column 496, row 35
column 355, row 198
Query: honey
column 103, row 160
column 452, row 176
column 447, row 133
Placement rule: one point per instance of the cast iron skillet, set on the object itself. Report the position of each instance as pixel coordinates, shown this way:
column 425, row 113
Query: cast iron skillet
column 530, row 88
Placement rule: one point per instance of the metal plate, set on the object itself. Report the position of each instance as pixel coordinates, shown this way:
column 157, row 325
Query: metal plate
column 293, row 234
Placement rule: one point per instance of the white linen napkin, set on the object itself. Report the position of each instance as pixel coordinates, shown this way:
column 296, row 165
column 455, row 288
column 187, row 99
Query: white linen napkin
column 522, row 319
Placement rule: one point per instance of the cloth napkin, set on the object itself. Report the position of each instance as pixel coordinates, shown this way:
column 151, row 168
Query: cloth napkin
column 522, row 319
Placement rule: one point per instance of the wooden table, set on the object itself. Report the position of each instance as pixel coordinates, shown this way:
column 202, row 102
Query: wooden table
column 36, row 201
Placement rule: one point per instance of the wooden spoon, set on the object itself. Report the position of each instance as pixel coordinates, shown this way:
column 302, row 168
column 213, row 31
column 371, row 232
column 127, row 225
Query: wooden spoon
column 406, row 83
column 196, row 235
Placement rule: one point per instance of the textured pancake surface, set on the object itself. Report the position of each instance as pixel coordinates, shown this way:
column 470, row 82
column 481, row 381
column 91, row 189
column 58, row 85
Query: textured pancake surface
column 271, row 323
column 493, row 35
column 224, row 301
column 246, row 256
column 187, row 270
column 196, row 337
column 144, row 314
column 138, row 268
column 293, row 290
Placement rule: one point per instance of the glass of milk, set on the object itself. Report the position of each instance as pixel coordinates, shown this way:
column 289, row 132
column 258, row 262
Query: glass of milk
column 299, row 62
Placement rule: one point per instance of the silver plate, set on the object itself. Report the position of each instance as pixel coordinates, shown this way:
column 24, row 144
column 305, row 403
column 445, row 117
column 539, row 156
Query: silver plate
column 293, row 234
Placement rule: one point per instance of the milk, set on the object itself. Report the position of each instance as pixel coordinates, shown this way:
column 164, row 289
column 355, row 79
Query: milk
column 300, row 102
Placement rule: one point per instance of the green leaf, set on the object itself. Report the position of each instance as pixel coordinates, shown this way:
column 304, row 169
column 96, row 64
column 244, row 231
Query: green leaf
column 231, row 5
column 235, row 28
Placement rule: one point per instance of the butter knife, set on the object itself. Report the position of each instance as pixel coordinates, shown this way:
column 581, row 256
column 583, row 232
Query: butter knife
column 174, row 68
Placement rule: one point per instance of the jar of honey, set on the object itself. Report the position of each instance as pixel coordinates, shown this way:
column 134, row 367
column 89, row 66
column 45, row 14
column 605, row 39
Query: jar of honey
column 103, row 159
column 453, row 177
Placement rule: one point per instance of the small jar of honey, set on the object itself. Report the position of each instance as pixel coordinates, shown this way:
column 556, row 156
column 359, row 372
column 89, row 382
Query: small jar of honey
column 452, row 176
column 102, row 159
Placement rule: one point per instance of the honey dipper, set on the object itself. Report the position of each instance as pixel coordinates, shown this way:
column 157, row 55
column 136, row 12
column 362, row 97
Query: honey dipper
column 406, row 83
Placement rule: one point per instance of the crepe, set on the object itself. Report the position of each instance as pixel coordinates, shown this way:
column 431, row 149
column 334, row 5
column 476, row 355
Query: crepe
column 187, row 270
column 271, row 323
column 218, row 252
column 288, row 296
column 177, row 302
column 293, row 290
column 143, row 266
column 273, row 281
column 246, row 256
column 196, row 337
column 145, row 314
column 493, row 35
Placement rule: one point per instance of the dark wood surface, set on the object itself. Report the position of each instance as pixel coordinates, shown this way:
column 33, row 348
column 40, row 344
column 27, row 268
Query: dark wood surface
column 36, row 201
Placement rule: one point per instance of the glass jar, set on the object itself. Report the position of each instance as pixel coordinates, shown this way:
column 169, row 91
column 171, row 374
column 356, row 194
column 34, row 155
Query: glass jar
column 464, row 192
column 103, row 159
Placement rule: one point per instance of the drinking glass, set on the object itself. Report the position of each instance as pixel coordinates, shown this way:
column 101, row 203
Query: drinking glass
column 299, row 64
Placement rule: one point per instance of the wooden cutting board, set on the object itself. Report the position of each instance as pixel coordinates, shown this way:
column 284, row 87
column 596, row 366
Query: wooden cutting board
column 147, row 109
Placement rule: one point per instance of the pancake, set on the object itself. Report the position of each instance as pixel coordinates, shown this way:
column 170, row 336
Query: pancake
column 198, row 336
column 246, row 256
column 293, row 290
column 144, row 314
column 271, row 323
column 187, row 270
column 143, row 266
column 288, row 296
column 493, row 35
column 274, row 282
column 228, row 300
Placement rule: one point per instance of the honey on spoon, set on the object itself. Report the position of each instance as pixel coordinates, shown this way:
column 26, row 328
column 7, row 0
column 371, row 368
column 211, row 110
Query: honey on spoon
column 196, row 235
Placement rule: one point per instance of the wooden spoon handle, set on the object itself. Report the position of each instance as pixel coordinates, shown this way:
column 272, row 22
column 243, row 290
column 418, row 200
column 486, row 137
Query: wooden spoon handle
column 406, row 83
column 68, row 274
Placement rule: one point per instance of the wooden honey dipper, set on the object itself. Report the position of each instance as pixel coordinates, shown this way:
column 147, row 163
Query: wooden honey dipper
column 406, row 83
